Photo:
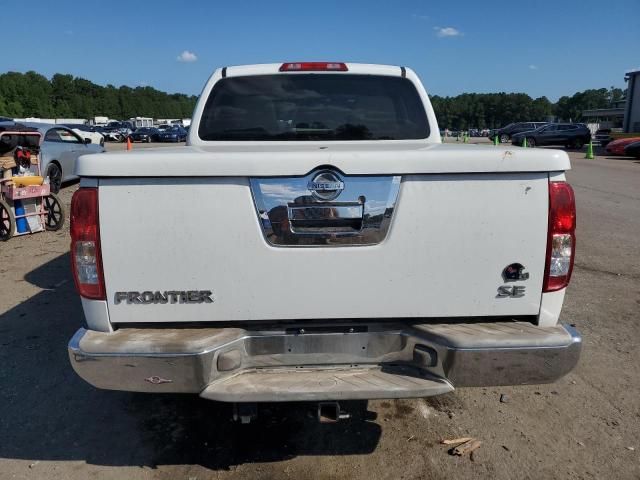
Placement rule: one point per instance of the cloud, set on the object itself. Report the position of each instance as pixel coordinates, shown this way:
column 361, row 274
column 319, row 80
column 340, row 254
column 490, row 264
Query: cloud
column 187, row 57
column 533, row 67
column 443, row 32
column 281, row 193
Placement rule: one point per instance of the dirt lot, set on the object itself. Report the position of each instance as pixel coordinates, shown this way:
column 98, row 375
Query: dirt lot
column 53, row 425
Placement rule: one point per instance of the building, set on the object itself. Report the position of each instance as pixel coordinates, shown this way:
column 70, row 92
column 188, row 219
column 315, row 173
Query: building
column 632, row 109
column 605, row 117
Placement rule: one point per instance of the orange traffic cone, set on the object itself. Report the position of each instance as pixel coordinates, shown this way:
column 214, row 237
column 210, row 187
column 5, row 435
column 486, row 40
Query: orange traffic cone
column 129, row 144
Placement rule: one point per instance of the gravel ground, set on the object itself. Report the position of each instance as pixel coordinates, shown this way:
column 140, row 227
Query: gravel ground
column 55, row 426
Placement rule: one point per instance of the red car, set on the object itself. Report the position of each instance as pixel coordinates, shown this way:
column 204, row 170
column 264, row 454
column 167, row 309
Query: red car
column 617, row 146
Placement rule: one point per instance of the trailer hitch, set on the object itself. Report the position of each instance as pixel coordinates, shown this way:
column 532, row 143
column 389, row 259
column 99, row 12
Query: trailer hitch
column 329, row 412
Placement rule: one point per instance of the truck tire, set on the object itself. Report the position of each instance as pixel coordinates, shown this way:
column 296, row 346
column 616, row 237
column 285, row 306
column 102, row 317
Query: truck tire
column 504, row 138
column 7, row 221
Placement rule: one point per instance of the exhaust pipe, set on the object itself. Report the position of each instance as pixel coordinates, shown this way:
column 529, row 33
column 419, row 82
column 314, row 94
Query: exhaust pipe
column 329, row 412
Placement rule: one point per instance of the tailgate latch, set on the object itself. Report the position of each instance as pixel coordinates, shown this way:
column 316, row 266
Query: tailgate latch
column 325, row 208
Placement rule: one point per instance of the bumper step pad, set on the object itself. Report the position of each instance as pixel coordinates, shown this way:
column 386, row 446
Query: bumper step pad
column 312, row 384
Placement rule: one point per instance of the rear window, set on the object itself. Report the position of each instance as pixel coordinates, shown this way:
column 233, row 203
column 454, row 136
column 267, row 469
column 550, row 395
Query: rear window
column 313, row 107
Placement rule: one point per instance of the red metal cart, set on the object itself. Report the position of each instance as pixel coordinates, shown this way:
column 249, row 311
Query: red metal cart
column 27, row 204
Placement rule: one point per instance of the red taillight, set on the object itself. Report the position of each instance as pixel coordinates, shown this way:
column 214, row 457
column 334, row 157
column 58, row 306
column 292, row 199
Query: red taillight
column 86, row 260
column 314, row 67
column 561, row 240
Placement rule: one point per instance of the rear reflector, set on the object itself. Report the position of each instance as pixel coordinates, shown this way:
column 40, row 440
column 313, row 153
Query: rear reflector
column 86, row 261
column 314, row 67
column 561, row 241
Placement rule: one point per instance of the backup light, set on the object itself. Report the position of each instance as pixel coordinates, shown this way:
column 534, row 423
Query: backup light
column 86, row 261
column 313, row 67
column 561, row 240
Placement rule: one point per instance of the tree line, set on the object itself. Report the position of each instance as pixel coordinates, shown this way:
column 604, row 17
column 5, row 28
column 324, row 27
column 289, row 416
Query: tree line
column 65, row 96
column 493, row 110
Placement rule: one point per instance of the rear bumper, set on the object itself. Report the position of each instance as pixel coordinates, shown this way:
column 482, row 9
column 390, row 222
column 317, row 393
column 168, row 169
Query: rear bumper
column 355, row 361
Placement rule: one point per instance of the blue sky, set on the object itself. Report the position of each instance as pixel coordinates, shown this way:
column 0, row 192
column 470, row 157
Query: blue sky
column 550, row 48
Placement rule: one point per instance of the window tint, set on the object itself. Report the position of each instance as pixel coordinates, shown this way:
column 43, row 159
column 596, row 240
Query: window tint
column 314, row 107
column 68, row 136
column 52, row 136
column 62, row 135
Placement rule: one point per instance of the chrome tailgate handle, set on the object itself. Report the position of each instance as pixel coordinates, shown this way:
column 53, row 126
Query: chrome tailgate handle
column 325, row 208
column 319, row 219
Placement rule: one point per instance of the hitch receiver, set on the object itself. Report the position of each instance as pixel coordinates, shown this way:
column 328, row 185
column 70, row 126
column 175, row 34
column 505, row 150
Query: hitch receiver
column 329, row 412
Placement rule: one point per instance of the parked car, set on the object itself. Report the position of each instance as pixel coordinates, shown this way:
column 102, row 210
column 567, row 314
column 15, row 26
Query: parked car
column 87, row 131
column 147, row 135
column 617, row 147
column 504, row 134
column 118, row 131
column 122, row 125
column 173, row 134
column 60, row 148
column 163, row 127
column 569, row 135
column 602, row 136
column 632, row 150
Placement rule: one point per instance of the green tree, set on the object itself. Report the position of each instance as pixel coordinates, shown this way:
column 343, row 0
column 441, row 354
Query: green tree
column 31, row 94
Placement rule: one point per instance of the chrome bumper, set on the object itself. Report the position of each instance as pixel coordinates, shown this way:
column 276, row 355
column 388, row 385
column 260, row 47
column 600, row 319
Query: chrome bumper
column 355, row 361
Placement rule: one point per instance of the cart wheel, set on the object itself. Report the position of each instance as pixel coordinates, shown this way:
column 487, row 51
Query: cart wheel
column 55, row 212
column 7, row 221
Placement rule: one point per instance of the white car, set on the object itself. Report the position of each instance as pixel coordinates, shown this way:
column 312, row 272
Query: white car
column 59, row 150
column 87, row 131
column 315, row 241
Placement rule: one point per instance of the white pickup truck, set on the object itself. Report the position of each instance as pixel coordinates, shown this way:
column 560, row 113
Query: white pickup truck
column 315, row 241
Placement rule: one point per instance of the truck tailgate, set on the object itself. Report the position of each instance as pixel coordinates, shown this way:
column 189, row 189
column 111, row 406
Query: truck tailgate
column 449, row 239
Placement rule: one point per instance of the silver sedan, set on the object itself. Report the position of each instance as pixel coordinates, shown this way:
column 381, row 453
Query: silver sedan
column 60, row 148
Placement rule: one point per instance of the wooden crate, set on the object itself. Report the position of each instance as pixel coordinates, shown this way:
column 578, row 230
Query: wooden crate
column 17, row 193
